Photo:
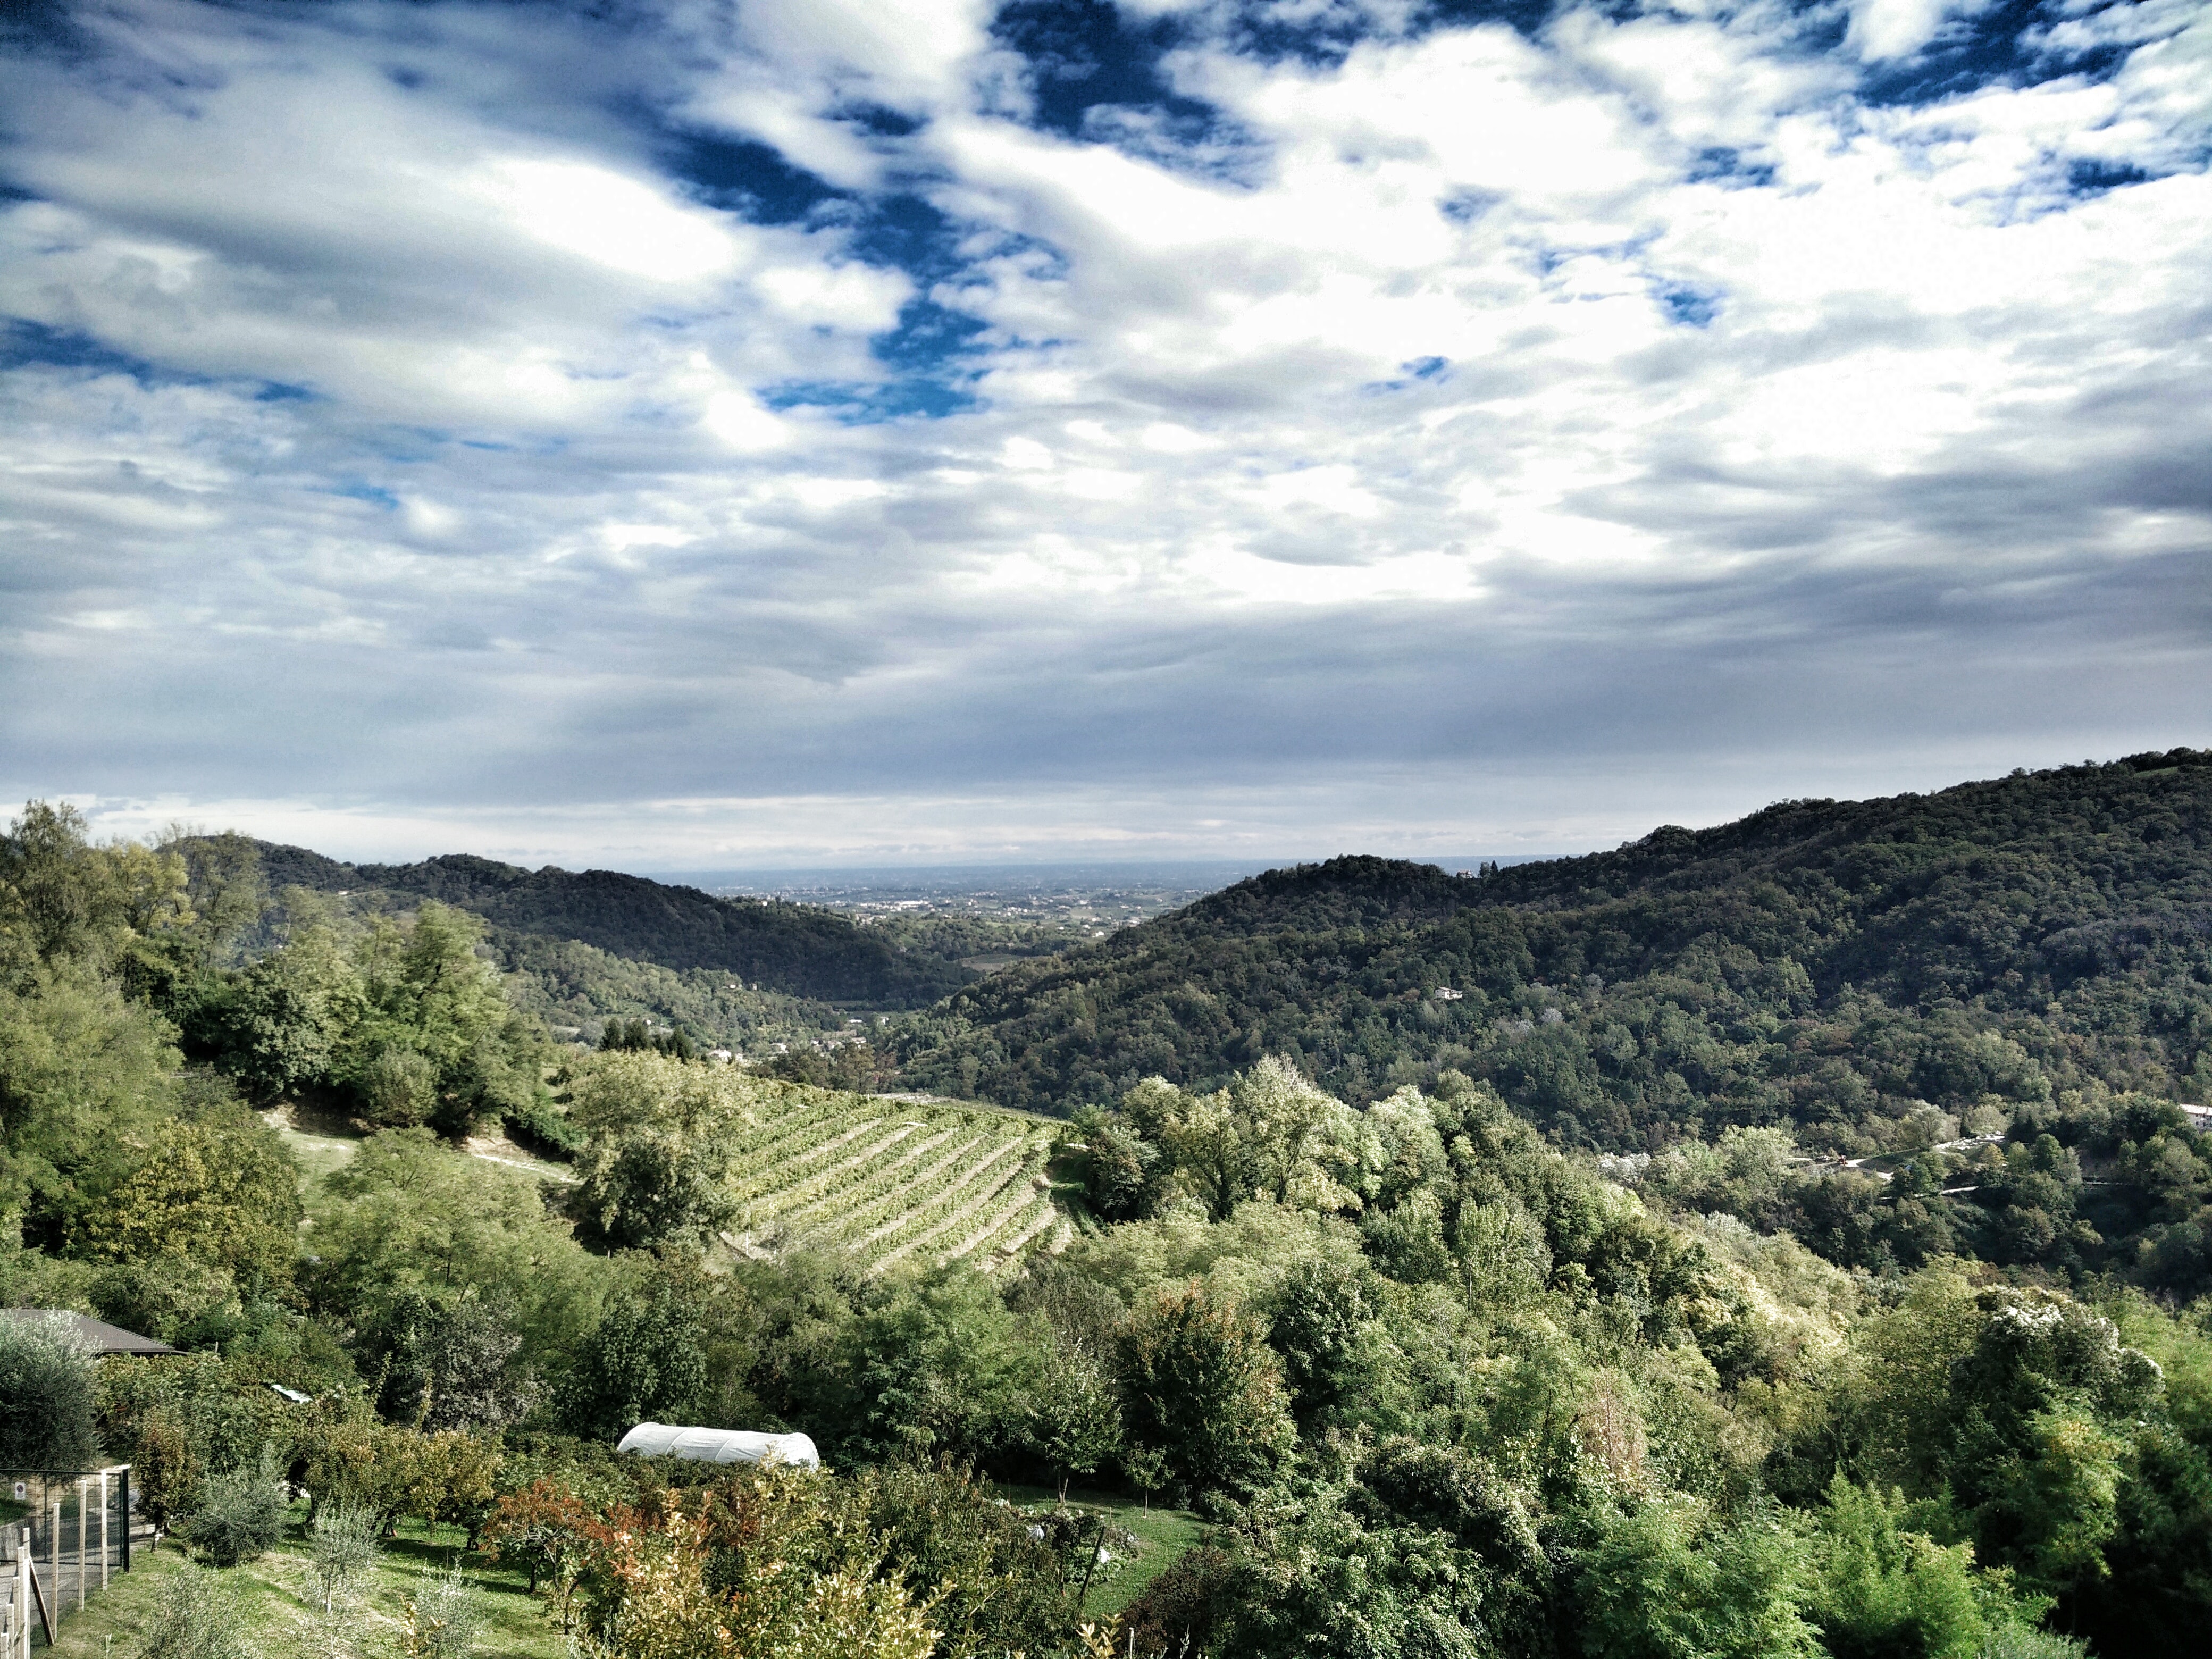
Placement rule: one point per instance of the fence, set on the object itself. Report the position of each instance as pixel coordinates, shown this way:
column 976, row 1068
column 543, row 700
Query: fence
column 68, row 1534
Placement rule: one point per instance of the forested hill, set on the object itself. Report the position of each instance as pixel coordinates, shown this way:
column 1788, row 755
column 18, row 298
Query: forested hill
column 1834, row 965
column 797, row 949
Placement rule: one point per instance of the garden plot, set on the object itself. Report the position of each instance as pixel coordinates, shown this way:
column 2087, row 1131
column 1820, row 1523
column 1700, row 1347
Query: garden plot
column 922, row 1181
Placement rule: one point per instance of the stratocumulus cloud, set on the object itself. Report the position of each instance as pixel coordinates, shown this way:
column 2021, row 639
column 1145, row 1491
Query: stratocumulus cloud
column 691, row 433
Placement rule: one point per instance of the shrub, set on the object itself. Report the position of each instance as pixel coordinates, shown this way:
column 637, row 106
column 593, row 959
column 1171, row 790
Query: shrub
column 241, row 1514
column 1200, row 1384
column 443, row 1621
column 399, row 1088
column 342, row 1543
column 47, row 1395
column 197, row 1615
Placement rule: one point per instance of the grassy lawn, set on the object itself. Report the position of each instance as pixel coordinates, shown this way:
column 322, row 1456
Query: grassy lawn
column 1164, row 1534
column 282, row 1611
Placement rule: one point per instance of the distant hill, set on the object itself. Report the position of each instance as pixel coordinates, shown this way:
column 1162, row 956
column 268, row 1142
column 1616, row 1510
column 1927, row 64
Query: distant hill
column 1829, row 964
column 799, row 949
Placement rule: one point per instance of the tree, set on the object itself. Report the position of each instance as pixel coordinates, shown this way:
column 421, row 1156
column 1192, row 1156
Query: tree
column 1319, row 1325
column 450, row 1362
column 431, row 1001
column 542, row 1530
column 240, row 1513
column 407, row 1213
column 656, row 1152
column 754, row 1569
column 1667, row 1581
column 647, row 1362
column 1198, row 1382
column 1881, row 1591
column 198, row 1613
column 342, row 1544
column 1073, row 1421
column 47, row 1396
column 1119, row 1169
column 219, row 1186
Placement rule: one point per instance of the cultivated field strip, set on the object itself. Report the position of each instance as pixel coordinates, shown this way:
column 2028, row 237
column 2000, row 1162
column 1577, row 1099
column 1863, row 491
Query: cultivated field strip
column 892, row 1181
column 832, row 1178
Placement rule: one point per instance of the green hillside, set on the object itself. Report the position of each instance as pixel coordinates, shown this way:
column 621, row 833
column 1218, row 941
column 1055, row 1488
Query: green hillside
column 2029, row 957
column 1821, row 963
column 799, row 949
column 889, row 1180
column 1436, row 1386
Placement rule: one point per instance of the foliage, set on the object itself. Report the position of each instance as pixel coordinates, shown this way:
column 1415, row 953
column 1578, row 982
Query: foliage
column 579, row 989
column 2028, row 953
column 645, row 1362
column 443, row 1621
column 198, row 1614
column 757, row 1567
column 46, row 1396
column 799, row 949
column 1199, row 1385
column 1886, row 1592
column 1669, row 1579
column 216, row 1186
column 342, row 1544
column 658, row 1150
column 543, row 1530
column 240, row 1513
column 448, row 1361
column 404, row 1217
column 1073, row 1420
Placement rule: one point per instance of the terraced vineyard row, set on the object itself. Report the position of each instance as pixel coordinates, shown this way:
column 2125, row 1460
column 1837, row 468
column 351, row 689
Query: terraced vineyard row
column 894, row 1181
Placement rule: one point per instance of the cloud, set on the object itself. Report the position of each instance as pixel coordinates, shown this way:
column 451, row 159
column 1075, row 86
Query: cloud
column 898, row 430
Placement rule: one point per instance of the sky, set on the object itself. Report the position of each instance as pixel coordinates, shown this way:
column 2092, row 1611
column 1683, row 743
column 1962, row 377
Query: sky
column 703, row 434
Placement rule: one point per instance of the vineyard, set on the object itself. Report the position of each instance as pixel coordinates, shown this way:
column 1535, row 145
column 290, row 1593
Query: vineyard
column 894, row 1180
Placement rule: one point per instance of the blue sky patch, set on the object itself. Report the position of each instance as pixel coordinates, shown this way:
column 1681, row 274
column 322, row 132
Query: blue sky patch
column 861, row 402
column 1721, row 164
column 2086, row 179
column 374, row 495
column 1693, row 307
column 2002, row 46
column 743, row 175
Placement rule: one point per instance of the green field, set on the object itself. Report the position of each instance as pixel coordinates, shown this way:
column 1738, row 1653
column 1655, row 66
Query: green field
column 284, row 1616
column 894, row 1180
column 1163, row 1536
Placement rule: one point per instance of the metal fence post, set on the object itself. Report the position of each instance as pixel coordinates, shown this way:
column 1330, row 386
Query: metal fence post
column 103, row 1529
column 126, row 1517
column 83, row 1484
column 54, row 1558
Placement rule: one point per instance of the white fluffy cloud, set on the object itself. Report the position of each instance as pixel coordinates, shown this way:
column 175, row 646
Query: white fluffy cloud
column 1455, row 439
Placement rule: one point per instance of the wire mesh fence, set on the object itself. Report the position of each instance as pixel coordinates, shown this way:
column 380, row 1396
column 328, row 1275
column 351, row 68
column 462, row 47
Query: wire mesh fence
column 62, row 1539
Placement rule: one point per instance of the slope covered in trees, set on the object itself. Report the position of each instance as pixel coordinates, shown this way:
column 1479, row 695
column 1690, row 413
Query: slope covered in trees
column 799, row 949
column 1822, row 962
column 2028, row 955
column 1441, row 1388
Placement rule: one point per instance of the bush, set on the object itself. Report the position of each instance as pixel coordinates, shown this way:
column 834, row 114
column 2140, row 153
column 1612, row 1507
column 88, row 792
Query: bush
column 47, row 1396
column 343, row 1542
column 197, row 1615
column 399, row 1088
column 443, row 1621
column 241, row 1516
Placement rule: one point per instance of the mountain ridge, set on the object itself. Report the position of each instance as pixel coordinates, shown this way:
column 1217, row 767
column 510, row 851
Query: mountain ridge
column 801, row 950
column 2066, row 912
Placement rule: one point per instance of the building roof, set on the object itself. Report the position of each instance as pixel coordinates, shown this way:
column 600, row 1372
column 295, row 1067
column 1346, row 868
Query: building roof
column 97, row 1335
